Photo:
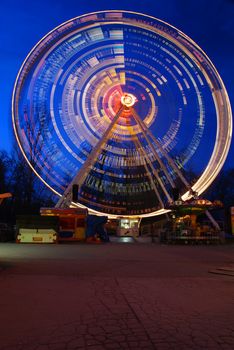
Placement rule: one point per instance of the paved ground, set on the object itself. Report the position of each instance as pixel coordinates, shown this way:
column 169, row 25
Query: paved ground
column 116, row 296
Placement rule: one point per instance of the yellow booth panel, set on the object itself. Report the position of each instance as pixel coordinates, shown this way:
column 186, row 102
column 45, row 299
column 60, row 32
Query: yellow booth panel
column 79, row 233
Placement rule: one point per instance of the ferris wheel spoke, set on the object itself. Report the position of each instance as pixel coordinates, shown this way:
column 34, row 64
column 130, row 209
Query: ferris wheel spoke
column 89, row 163
column 147, row 132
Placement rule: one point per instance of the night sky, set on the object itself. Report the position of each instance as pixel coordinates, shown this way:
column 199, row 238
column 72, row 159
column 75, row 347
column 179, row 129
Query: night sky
column 209, row 23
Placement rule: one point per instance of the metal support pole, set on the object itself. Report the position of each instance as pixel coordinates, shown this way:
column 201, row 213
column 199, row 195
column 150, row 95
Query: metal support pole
column 212, row 219
column 170, row 161
column 88, row 164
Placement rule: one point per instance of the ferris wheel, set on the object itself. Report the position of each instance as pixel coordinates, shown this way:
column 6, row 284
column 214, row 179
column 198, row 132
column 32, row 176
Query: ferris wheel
column 125, row 106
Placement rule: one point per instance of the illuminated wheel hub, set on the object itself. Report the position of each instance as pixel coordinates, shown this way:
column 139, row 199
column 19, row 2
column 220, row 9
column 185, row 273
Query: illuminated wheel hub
column 137, row 83
column 128, row 100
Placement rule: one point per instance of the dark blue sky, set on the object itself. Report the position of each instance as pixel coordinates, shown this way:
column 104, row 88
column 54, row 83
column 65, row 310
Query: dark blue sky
column 24, row 22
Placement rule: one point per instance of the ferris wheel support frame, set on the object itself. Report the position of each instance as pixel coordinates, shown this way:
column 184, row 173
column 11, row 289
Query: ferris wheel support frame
column 66, row 198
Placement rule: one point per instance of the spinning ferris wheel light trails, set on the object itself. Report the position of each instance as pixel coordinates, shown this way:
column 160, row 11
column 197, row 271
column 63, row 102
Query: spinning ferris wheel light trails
column 124, row 105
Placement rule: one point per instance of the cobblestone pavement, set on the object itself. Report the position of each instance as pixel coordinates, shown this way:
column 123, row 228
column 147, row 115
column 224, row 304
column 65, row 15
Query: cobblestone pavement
column 115, row 297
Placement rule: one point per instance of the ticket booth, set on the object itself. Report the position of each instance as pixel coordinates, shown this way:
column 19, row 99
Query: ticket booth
column 128, row 227
column 72, row 222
